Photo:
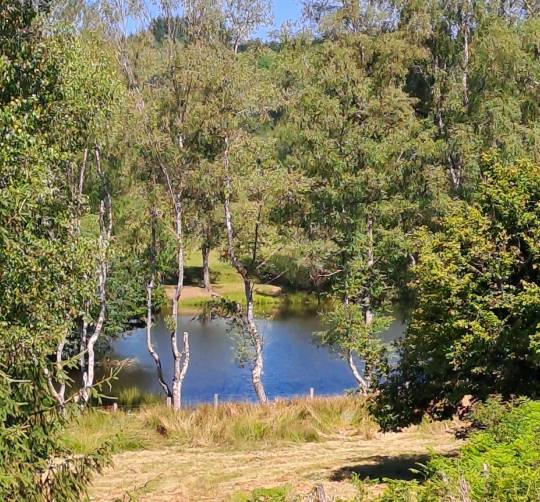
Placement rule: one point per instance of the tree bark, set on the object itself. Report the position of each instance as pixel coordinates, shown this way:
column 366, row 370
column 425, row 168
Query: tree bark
column 368, row 312
column 251, row 327
column 256, row 341
column 105, row 234
column 360, row 380
column 205, row 249
column 181, row 362
column 149, row 308
column 464, row 21
column 184, row 367
column 60, row 393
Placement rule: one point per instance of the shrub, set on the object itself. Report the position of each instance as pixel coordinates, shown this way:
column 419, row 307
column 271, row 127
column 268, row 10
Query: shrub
column 501, row 463
column 474, row 327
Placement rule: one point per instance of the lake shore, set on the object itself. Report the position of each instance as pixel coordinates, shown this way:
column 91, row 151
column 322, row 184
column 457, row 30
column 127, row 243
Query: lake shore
column 225, row 282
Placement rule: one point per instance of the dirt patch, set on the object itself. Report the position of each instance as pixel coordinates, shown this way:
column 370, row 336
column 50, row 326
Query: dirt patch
column 201, row 474
column 194, row 292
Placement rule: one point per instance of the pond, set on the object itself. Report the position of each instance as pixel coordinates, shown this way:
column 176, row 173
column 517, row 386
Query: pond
column 293, row 362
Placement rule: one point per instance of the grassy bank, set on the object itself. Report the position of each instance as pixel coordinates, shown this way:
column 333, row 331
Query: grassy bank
column 232, row 425
column 242, row 452
column 226, row 282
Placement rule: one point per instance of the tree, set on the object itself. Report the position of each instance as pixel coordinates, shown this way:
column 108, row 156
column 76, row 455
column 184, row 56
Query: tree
column 474, row 327
column 155, row 86
column 43, row 263
column 251, row 181
column 242, row 17
column 239, row 153
column 476, row 96
column 357, row 149
column 95, row 93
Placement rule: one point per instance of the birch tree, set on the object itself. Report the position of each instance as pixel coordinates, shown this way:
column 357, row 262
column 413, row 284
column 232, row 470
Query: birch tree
column 164, row 151
column 250, row 180
column 350, row 134
column 243, row 17
column 43, row 263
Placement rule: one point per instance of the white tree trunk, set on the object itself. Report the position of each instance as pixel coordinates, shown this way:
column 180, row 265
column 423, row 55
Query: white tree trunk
column 105, row 234
column 368, row 311
column 149, row 308
column 362, row 382
column 255, row 337
column 60, row 393
column 181, row 360
column 257, row 343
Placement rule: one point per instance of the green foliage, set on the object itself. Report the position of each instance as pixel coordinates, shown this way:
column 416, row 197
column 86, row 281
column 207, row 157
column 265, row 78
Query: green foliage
column 490, row 413
column 277, row 494
column 501, row 463
column 474, row 329
column 44, row 265
column 346, row 330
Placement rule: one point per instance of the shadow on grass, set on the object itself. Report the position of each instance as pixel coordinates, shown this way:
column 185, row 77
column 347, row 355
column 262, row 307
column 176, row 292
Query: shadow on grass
column 397, row 467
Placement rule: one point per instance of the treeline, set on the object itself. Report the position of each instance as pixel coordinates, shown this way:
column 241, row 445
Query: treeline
column 384, row 154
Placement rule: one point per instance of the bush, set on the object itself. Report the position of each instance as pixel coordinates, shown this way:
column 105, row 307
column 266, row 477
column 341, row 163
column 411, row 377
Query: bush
column 501, row 463
column 474, row 326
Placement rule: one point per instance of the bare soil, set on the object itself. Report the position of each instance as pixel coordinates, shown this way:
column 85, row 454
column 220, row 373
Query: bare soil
column 190, row 292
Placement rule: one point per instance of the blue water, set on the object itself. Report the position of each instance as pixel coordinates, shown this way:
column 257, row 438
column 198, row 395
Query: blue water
column 293, row 362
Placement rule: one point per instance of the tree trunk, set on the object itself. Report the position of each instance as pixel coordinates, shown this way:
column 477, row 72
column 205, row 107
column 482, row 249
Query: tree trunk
column 465, row 32
column 256, row 341
column 206, row 266
column 185, row 356
column 181, row 362
column 105, row 234
column 250, row 325
column 360, row 380
column 368, row 312
column 60, row 393
column 149, row 308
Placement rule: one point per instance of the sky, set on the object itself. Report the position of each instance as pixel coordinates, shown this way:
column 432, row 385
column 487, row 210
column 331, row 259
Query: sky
column 283, row 10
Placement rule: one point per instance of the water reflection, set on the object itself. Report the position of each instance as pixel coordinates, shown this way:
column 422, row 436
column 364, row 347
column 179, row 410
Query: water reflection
column 293, row 361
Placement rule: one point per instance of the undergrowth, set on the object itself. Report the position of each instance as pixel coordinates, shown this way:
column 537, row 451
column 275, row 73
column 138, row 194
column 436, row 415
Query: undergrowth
column 499, row 463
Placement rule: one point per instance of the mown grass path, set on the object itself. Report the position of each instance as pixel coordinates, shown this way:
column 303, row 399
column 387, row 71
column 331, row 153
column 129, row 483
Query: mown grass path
column 217, row 474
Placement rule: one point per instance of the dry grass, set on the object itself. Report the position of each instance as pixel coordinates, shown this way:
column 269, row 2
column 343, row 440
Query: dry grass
column 208, row 454
column 240, row 425
column 217, row 474
column 237, row 425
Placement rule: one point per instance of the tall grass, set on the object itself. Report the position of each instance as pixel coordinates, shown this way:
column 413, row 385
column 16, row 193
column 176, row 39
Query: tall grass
column 234, row 425
column 133, row 396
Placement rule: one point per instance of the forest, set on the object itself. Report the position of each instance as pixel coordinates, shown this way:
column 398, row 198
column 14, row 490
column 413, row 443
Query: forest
column 377, row 160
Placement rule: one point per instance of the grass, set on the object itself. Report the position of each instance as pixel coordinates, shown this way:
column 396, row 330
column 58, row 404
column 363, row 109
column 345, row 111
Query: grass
column 246, row 453
column 277, row 494
column 86, row 433
column 232, row 425
column 133, row 396
column 268, row 299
